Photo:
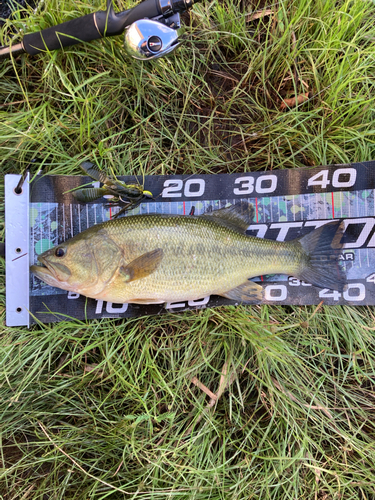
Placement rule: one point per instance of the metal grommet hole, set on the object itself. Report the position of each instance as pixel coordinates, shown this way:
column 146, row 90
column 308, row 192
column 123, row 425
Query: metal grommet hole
column 17, row 190
column 19, row 309
column 18, row 250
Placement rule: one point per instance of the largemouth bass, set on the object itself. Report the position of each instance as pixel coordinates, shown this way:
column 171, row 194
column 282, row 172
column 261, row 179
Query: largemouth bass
column 151, row 259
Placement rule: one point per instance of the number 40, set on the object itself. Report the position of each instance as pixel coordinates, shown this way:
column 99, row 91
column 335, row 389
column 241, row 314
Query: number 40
column 341, row 178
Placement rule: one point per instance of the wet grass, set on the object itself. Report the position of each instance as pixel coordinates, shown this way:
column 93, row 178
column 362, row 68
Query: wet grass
column 239, row 403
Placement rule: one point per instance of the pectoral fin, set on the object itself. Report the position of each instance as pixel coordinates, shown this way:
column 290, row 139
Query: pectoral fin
column 142, row 266
column 247, row 293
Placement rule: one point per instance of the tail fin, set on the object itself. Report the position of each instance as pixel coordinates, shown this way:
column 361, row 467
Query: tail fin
column 323, row 247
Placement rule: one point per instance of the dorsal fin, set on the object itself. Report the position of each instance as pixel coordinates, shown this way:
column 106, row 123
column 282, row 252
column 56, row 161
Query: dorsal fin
column 237, row 217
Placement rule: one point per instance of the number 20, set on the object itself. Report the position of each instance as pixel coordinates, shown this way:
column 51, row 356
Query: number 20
column 173, row 188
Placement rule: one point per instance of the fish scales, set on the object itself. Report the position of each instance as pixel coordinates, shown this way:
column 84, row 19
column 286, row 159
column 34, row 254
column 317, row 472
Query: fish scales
column 159, row 258
column 200, row 256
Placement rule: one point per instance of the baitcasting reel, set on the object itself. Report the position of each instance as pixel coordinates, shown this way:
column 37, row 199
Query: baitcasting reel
column 156, row 37
column 151, row 30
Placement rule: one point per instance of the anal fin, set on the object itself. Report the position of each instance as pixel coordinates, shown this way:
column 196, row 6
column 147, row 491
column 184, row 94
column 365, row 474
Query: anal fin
column 247, row 293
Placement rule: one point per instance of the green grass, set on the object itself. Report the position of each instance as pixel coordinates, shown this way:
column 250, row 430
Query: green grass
column 108, row 409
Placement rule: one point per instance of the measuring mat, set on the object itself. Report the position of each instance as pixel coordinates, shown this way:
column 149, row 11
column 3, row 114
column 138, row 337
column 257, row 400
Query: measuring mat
column 288, row 204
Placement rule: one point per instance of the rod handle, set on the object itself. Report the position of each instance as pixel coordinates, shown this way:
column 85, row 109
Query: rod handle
column 81, row 29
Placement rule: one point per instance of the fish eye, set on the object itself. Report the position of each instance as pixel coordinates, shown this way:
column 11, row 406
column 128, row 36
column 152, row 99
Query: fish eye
column 59, row 252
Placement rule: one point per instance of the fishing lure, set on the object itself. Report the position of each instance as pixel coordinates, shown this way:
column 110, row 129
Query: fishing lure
column 131, row 195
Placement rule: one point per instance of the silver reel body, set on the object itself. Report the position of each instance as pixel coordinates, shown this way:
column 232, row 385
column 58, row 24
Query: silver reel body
column 148, row 39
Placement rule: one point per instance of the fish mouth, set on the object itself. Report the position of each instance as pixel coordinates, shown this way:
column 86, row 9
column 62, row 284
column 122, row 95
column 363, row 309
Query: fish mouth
column 45, row 272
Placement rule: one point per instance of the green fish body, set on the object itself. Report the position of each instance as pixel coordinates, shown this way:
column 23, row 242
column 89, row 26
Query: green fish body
column 166, row 258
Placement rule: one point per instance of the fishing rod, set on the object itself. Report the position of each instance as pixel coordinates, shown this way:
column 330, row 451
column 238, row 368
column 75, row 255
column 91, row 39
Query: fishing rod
column 151, row 30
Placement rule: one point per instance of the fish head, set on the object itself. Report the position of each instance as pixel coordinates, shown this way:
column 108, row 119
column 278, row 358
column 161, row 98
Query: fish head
column 70, row 266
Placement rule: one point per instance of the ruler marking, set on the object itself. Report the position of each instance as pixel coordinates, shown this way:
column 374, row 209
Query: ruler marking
column 71, row 220
column 286, row 209
column 316, row 207
column 357, row 202
column 64, row 233
column 341, row 203
column 264, row 210
column 333, row 206
column 32, row 250
column 48, row 218
column 325, row 205
column 356, row 214
column 41, row 228
column 366, row 214
column 294, row 209
column 303, row 209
